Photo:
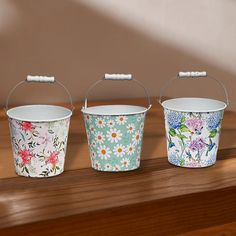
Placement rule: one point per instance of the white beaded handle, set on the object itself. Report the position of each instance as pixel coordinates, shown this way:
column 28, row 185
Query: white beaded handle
column 39, row 79
column 193, row 74
column 118, row 77
column 113, row 77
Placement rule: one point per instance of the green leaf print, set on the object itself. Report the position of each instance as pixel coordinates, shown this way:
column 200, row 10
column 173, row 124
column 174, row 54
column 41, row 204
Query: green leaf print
column 213, row 133
column 32, row 144
column 182, row 120
column 184, row 128
column 181, row 136
column 26, row 169
column 182, row 162
column 35, row 133
column 23, row 137
column 45, row 173
column 172, row 132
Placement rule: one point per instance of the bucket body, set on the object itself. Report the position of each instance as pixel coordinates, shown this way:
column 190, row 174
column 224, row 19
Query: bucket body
column 115, row 141
column 39, row 146
column 192, row 137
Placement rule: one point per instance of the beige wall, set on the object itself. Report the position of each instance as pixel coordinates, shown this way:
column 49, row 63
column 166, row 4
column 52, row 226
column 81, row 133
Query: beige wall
column 79, row 41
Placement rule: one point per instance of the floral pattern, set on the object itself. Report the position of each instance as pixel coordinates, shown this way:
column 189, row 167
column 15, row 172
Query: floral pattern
column 192, row 138
column 115, row 141
column 39, row 148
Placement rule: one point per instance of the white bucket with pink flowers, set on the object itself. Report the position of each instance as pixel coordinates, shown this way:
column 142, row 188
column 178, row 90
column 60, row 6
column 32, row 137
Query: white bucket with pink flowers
column 39, row 134
column 193, row 126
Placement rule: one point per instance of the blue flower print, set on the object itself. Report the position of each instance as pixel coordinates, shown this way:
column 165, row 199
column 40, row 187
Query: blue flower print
column 174, row 159
column 174, row 119
column 214, row 120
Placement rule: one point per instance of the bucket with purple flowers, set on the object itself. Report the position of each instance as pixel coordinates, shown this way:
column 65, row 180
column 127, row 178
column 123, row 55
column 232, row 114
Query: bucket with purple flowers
column 193, row 126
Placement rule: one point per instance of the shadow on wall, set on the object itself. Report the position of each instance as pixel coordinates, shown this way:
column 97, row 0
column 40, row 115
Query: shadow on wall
column 78, row 45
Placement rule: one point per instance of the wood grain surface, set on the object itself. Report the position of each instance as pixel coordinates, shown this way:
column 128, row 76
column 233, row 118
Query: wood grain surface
column 219, row 230
column 157, row 199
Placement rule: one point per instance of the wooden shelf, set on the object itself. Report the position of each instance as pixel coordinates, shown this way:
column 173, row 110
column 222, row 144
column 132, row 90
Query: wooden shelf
column 157, row 199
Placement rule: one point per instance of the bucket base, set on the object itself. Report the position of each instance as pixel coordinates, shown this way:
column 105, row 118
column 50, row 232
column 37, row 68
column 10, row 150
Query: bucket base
column 189, row 166
column 39, row 176
column 115, row 171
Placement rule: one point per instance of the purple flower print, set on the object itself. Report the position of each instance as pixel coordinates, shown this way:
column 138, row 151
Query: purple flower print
column 46, row 139
column 194, row 124
column 193, row 164
column 197, row 144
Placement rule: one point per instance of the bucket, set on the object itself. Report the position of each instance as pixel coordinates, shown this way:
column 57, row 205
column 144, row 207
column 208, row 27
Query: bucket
column 39, row 135
column 115, row 132
column 193, row 126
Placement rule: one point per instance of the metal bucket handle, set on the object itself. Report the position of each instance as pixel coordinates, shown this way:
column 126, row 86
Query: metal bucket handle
column 39, row 79
column 122, row 77
column 193, row 74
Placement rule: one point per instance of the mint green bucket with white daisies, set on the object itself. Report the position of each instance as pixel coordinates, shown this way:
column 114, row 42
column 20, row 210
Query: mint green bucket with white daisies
column 115, row 132
column 193, row 126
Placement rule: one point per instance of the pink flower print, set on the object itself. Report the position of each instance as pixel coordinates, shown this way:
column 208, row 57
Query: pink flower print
column 25, row 156
column 26, row 126
column 53, row 158
column 194, row 164
column 194, row 124
column 197, row 144
column 46, row 139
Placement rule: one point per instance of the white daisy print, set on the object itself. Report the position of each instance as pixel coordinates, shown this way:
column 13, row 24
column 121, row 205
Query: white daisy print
column 137, row 137
column 116, row 168
column 139, row 119
column 99, row 137
column 96, row 165
column 93, row 144
column 100, row 122
column 114, row 135
column 92, row 129
column 130, row 149
column 121, row 120
column 88, row 136
column 139, row 150
column 138, row 161
column 104, row 152
column 119, row 150
column 130, row 128
column 125, row 162
column 110, row 123
column 93, row 155
column 108, row 167
column 88, row 118
column 142, row 126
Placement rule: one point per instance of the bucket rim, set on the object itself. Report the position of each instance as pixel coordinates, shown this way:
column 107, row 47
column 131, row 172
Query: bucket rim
column 165, row 105
column 39, row 120
column 89, row 110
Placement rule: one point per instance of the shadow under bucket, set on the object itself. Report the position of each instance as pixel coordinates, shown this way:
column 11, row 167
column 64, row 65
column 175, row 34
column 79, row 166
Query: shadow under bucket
column 193, row 130
column 115, row 134
column 39, row 136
